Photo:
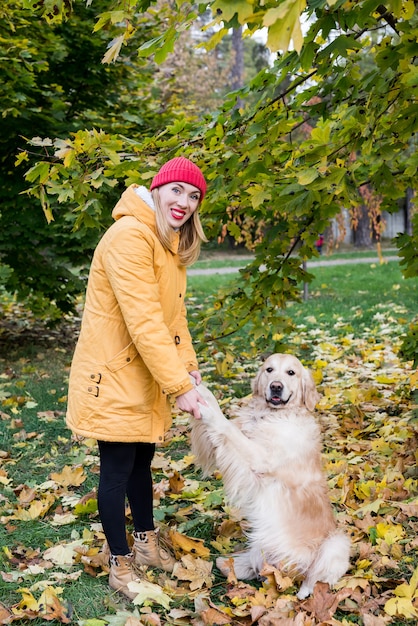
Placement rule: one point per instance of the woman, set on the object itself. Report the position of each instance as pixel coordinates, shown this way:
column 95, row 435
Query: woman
column 135, row 352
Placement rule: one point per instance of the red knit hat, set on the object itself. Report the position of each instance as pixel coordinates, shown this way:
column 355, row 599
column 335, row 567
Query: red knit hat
column 180, row 170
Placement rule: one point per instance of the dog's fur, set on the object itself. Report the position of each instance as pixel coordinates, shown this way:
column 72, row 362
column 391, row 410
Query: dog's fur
column 270, row 460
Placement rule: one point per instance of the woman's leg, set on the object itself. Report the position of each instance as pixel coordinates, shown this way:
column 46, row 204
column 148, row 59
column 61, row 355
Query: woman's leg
column 117, row 461
column 147, row 548
column 139, row 488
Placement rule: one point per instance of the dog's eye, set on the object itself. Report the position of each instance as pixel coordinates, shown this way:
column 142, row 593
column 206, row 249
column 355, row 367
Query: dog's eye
column 291, row 372
column 269, row 369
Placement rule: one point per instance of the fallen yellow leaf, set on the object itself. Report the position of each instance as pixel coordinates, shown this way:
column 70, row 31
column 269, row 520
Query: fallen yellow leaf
column 188, row 544
column 69, row 476
column 197, row 571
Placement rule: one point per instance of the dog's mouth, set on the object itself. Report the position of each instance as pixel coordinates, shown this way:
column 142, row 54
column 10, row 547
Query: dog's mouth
column 276, row 400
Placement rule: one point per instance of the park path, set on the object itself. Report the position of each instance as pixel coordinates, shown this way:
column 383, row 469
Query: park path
column 232, row 270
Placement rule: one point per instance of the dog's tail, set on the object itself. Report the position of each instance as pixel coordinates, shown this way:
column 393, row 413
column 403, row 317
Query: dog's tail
column 331, row 562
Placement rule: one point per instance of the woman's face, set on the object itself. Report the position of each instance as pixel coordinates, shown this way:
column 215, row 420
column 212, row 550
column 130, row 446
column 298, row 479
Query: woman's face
column 178, row 202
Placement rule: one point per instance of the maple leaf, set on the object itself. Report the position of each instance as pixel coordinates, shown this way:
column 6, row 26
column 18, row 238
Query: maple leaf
column 161, row 462
column 268, row 597
column 69, row 476
column 373, row 620
column 276, row 577
column 323, row 603
column 63, row 519
column 62, row 554
column 93, row 560
column 47, row 416
column 405, row 594
column 38, row 508
column 197, row 571
column 4, row 479
column 210, row 613
column 176, row 482
column 275, row 618
column 160, row 488
column 120, row 618
column 48, row 607
column 215, row 616
column 230, row 528
column 149, row 619
column 391, row 533
column 6, row 616
column 86, row 507
column 147, row 593
column 26, row 494
column 188, row 544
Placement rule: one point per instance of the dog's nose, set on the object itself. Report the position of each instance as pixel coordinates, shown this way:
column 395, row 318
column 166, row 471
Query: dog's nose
column 276, row 387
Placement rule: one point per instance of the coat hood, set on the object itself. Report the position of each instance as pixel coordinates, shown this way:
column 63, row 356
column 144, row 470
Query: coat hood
column 137, row 202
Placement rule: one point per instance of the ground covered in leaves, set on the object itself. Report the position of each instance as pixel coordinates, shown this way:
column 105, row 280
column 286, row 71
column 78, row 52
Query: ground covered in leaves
column 53, row 566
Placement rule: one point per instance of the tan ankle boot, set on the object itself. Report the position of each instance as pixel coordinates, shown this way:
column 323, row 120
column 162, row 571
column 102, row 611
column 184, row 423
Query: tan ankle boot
column 148, row 551
column 121, row 573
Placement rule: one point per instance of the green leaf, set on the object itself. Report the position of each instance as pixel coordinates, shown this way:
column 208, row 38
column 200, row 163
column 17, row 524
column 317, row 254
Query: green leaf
column 404, row 9
column 87, row 508
column 168, row 46
column 307, row 176
column 112, row 17
column 227, row 9
column 283, row 25
column 258, row 195
column 39, row 172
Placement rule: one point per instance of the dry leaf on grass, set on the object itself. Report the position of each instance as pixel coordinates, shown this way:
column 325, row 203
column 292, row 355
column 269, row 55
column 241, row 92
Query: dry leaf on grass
column 197, row 571
column 188, row 545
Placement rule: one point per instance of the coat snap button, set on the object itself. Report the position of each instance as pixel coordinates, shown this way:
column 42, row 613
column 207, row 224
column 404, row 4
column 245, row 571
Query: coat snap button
column 128, row 358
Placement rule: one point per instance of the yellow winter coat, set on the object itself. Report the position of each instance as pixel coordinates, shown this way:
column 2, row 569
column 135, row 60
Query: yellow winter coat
column 134, row 349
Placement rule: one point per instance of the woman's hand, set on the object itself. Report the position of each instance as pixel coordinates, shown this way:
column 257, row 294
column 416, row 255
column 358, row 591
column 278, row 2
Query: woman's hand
column 197, row 376
column 190, row 401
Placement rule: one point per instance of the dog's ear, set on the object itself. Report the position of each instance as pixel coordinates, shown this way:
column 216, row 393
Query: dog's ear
column 255, row 384
column 255, row 381
column 310, row 395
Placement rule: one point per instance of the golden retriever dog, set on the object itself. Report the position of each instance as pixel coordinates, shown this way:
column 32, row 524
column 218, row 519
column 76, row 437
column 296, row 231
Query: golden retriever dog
column 270, row 460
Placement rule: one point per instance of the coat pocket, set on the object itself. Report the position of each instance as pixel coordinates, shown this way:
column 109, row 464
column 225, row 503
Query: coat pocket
column 123, row 358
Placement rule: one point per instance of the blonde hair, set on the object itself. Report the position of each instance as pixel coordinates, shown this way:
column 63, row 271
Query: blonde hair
column 191, row 233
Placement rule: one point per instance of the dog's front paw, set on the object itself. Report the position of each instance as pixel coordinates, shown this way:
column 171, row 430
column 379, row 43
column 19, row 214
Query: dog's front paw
column 206, row 412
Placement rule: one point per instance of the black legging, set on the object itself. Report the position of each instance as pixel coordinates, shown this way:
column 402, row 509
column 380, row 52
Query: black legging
column 125, row 470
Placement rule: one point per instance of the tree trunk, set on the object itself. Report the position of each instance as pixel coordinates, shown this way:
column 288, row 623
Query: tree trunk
column 237, row 70
column 362, row 236
column 408, row 206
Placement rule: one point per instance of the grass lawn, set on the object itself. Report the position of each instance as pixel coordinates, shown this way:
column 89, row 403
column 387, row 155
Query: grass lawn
column 348, row 331
column 352, row 294
column 214, row 259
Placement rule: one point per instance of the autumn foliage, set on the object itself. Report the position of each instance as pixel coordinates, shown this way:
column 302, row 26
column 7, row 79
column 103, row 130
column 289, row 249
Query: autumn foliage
column 370, row 441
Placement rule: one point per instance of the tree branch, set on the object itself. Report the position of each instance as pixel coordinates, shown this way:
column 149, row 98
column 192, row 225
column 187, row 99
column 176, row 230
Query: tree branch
column 388, row 17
